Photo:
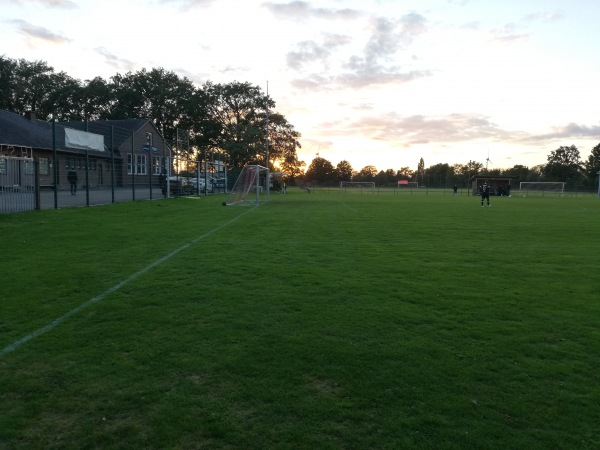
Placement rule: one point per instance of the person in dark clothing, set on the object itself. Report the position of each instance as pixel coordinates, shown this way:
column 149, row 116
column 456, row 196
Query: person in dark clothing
column 72, row 177
column 484, row 190
column 455, row 190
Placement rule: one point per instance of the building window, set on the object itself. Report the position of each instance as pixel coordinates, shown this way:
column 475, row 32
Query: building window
column 29, row 167
column 44, row 167
column 136, row 164
column 156, row 165
column 140, row 162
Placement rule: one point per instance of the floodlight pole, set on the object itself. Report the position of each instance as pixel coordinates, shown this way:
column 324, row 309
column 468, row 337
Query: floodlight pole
column 151, row 165
column 268, row 177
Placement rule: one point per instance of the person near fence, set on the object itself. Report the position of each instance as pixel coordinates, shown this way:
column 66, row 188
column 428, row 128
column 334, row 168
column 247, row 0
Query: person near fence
column 455, row 188
column 72, row 177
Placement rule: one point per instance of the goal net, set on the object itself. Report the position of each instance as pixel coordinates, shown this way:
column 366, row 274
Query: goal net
column 361, row 187
column 249, row 188
column 551, row 187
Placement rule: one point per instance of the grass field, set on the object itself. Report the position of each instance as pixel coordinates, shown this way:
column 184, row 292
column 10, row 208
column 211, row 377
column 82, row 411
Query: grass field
column 313, row 321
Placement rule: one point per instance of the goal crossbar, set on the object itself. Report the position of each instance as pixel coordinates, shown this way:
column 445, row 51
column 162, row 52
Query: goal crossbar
column 547, row 186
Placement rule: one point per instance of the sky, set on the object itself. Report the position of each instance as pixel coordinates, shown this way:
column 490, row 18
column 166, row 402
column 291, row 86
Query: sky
column 372, row 82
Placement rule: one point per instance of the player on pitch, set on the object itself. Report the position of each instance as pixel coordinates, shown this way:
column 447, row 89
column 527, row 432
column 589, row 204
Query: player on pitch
column 484, row 190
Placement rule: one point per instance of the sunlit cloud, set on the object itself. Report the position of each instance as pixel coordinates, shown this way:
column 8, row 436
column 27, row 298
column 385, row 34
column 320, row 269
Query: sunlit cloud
column 419, row 129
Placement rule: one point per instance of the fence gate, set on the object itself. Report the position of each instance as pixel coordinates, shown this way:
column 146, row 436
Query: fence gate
column 17, row 184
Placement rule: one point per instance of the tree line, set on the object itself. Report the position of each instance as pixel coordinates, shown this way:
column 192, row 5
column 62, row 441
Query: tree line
column 226, row 119
column 564, row 164
column 231, row 120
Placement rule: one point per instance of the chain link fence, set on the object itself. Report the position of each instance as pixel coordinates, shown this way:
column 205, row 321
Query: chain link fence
column 135, row 165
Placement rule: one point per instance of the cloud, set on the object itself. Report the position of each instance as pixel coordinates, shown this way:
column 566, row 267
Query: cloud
column 375, row 66
column 569, row 131
column 545, row 16
column 511, row 32
column 67, row 4
column 508, row 34
column 378, row 76
column 308, row 52
column 187, row 5
column 388, row 36
column 38, row 33
column 412, row 130
column 115, row 61
column 299, row 10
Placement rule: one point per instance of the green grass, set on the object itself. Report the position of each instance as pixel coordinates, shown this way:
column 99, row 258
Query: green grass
column 313, row 321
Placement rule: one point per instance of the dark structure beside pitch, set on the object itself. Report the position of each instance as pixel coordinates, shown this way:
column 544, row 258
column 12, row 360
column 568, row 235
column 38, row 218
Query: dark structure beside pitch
column 500, row 186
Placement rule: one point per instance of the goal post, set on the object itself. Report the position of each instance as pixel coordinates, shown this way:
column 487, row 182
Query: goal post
column 249, row 188
column 361, row 187
column 551, row 187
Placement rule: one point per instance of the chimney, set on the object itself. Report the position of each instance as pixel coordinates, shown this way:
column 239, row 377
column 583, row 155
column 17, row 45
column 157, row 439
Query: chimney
column 30, row 115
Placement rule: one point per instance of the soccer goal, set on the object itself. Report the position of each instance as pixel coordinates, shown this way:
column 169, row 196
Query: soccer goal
column 403, row 184
column 361, row 187
column 249, row 189
column 542, row 187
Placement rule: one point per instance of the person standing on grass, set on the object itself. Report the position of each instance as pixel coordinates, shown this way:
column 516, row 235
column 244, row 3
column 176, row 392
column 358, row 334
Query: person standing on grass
column 72, row 177
column 455, row 190
column 485, row 193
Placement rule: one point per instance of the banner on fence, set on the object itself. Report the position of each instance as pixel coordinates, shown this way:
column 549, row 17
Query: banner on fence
column 83, row 140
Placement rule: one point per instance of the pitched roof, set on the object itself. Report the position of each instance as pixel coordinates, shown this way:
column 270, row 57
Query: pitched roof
column 20, row 131
column 17, row 130
column 114, row 131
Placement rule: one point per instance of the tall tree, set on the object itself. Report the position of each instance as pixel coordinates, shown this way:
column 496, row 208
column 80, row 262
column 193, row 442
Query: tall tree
column 367, row 173
column 421, row 170
column 34, row 83
column 283, row 139
column 438, row 174
column 592, row 165
column 343, row 171
column 7, row 83
column 405, row 173
column 321, row 171
column 95, row 99
column 564, row 164
column 239, row 110
column 158, row 94
column 292, row 168
column 518, row 171
column 65, row 100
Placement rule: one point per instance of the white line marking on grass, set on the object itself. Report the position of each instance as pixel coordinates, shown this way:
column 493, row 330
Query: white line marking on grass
column 15, row 345
column 348, row 206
